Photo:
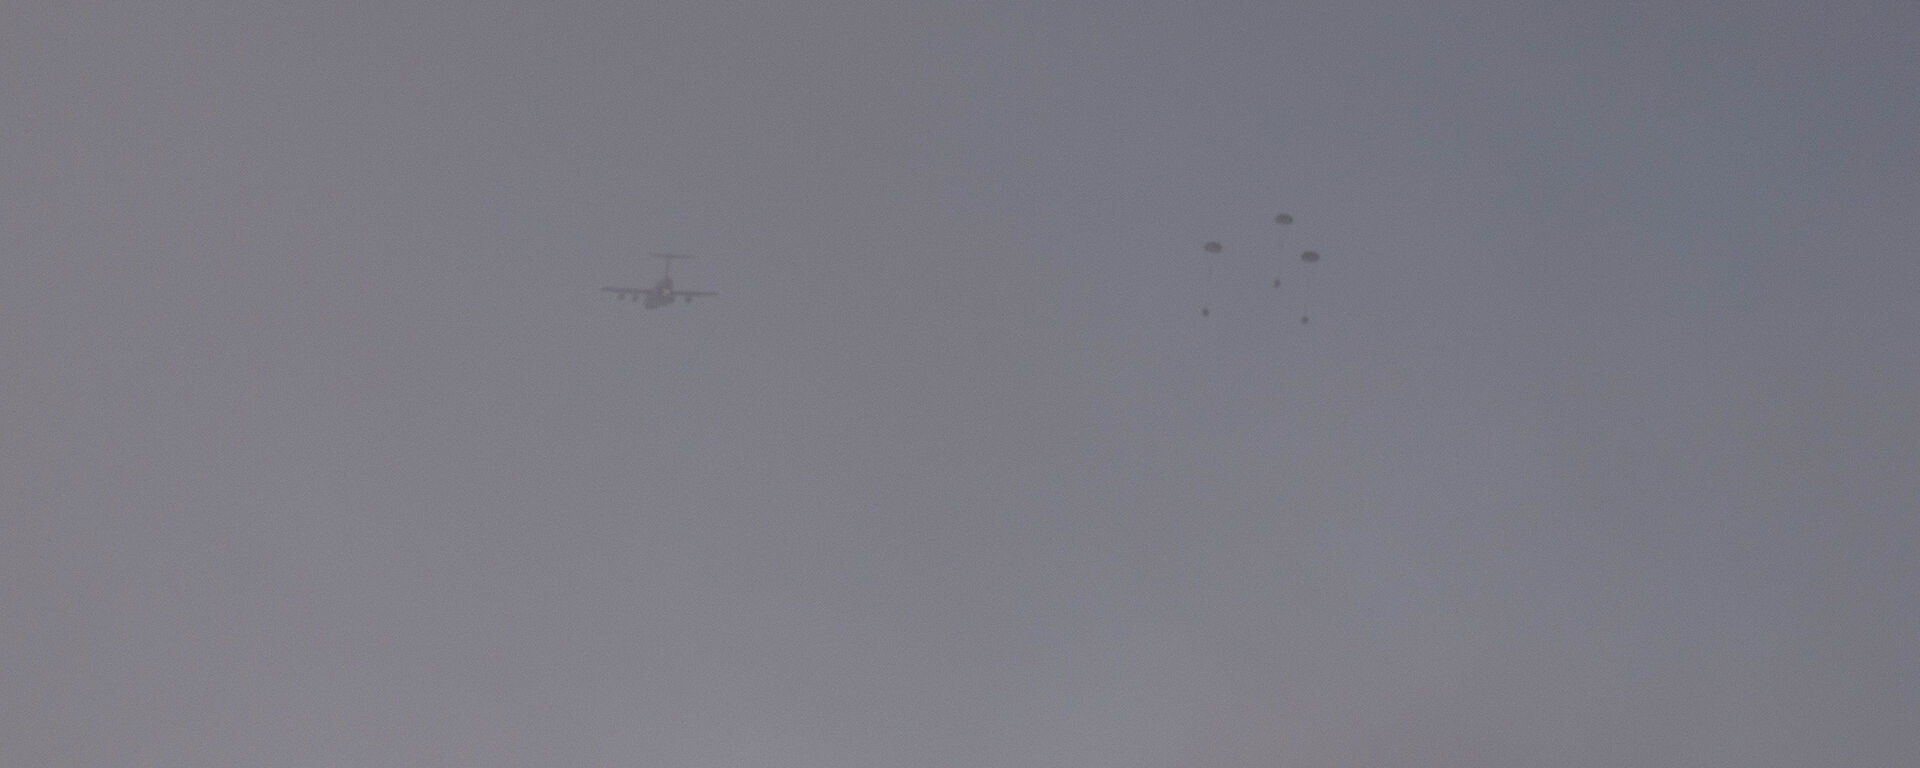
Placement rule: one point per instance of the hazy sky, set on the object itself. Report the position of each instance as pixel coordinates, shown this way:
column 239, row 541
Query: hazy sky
column 320, row 446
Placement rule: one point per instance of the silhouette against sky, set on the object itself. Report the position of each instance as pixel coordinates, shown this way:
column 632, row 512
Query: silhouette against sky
column 321, row 446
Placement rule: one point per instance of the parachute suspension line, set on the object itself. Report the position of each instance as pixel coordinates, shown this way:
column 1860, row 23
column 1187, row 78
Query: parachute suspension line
column 1209, row 252
column 1310, row 258
column 1280, row 251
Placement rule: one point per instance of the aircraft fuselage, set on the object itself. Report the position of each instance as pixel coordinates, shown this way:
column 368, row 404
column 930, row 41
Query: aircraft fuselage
column 661, row 294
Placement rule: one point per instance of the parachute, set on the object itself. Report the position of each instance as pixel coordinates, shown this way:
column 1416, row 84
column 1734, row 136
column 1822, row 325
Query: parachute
column 1239, row 268
column 1283, row 220
column 1212, row 247
column 1308, row 258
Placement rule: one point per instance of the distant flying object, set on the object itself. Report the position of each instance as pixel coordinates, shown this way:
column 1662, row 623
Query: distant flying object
column 662, row 293
column 1307, row 259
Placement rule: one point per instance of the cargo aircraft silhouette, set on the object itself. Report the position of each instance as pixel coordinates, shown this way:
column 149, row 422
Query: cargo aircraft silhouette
column 662, row 293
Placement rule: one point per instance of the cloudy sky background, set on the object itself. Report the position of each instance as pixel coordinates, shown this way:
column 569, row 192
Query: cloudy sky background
column 319, row 445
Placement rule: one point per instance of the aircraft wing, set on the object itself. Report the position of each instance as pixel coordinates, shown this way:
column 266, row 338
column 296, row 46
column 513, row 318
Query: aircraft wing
column 695, row 293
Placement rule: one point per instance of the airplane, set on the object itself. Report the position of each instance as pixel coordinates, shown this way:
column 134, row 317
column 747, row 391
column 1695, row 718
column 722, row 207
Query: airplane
column 662, row 293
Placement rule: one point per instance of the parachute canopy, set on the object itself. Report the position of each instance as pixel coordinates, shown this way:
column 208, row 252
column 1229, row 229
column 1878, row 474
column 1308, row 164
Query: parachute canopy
column 1310, row 257
column 1283, row 219
column 1212, row 246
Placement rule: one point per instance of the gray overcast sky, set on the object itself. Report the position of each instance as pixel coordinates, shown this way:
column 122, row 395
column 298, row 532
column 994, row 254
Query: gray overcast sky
column 319, row 445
